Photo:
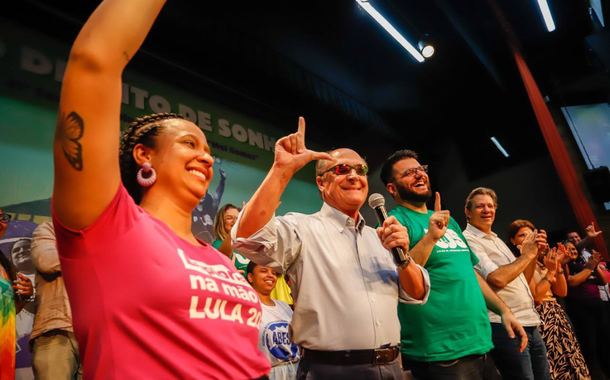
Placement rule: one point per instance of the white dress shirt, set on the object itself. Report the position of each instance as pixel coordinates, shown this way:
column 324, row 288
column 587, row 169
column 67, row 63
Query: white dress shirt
column 344, row 283
column 493, row 253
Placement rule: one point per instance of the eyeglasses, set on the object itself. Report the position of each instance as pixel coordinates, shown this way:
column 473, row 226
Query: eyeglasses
column 344, row 169
column 5, row 218
column 411, row 172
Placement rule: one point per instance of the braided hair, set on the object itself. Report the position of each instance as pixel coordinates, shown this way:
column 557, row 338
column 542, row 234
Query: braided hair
column 144, row 130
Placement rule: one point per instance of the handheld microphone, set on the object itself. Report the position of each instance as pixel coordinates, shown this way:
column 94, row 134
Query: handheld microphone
column 377, row 203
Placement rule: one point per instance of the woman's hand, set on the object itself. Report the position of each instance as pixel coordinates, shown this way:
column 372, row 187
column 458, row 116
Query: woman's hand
column 23, row 286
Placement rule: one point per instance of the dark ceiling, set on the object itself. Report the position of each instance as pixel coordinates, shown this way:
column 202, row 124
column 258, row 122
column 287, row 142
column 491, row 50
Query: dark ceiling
column 331, row 62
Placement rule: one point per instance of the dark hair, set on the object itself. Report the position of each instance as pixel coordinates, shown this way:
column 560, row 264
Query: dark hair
column 250, row 269
column 518, row 224
column 144, row 130
column 388, row 165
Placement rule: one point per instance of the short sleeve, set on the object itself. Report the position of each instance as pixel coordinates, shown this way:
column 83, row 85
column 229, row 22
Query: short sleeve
column 119, row 217
column 277, row 244
column 484, row 266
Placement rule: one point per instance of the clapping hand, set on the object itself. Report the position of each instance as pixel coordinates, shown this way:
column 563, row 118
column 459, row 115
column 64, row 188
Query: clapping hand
column 551, row 261
column 593, row 260
column 563, row 255
column 529, row 246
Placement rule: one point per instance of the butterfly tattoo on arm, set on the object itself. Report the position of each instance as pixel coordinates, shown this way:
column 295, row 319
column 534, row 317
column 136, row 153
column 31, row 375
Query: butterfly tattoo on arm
column 70, row 130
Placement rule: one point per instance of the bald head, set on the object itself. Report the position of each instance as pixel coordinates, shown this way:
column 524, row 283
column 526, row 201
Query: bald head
column 337, row 155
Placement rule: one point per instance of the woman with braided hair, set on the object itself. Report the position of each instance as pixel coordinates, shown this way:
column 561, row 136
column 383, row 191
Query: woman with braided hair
column 149, row 300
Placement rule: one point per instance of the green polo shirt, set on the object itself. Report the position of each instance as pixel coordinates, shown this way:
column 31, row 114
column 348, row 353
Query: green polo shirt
column 241, row 263
column 454, row 322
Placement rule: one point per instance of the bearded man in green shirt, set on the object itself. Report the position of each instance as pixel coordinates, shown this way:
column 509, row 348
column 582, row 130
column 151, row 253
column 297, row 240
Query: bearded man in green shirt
column 448, row 337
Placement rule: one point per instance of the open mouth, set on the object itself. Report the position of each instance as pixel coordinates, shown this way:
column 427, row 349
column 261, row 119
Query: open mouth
column 420, row 185
column 198, row 174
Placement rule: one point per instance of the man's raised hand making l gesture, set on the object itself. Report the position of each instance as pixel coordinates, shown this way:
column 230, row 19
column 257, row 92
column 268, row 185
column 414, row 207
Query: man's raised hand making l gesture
column 290, row 156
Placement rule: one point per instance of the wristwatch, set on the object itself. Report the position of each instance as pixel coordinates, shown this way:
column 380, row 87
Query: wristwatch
column 404, row 265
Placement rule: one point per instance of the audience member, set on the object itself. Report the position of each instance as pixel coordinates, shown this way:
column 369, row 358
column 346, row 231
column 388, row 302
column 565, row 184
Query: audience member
column 509, row 277
column 582, row 244
column 53, row 344
column 223, row 222
column 587, row 310
column 566, row 361
column 274, row 338
column 15, row 290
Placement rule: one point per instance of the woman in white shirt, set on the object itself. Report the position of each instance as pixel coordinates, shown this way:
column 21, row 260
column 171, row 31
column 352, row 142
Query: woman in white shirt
column 274, row 340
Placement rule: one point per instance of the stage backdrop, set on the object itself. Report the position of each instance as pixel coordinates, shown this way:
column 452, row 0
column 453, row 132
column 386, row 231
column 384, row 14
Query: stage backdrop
column 31, row 69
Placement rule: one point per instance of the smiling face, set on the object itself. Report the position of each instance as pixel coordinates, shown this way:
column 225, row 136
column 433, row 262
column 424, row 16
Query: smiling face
column 482, row 212
column 21, row 256
column 181, row 160
column 412, row 188
column 573, row 237
column 572, row 251
column 263, row 279
column 230, row 218
column 347, row 193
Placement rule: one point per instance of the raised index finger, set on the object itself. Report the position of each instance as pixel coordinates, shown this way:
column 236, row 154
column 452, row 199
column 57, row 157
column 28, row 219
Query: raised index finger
column 302, row 125
column 437, row 202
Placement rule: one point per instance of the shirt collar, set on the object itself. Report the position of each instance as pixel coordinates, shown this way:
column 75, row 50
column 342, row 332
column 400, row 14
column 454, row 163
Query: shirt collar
column 340, row 220
column 478, row 233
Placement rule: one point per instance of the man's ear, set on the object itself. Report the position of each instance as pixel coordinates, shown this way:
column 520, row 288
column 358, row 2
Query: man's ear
column 320, row 183
column 391, row 187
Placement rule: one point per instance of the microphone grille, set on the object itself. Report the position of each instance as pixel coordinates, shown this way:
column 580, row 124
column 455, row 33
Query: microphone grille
column 376, row 200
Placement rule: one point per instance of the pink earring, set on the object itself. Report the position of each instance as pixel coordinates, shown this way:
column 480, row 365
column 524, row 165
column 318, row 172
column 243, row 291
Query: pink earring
column 146, row 182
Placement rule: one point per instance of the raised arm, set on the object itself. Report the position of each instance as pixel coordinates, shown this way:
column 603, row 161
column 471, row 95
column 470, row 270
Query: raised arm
column 591, row 235
column 219, row 190
column 583, row 275
column 86, row 148
column 290, row 156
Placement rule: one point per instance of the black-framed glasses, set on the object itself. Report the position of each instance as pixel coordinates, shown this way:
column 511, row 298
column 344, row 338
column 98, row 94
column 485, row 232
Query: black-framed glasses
column 344, row 169
column 411, row 172
column 5, row 218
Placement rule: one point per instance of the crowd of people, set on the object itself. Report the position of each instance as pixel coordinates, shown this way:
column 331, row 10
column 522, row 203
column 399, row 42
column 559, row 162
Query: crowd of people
column 126, row 290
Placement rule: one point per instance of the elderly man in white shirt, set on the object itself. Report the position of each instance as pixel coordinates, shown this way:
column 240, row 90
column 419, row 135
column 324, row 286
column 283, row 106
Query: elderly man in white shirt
column 509, row 277
column 345, row 284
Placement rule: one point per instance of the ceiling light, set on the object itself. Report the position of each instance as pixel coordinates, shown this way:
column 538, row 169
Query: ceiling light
column 390, row 29
column 546, row 14
column 426, row 48
column 500, row 147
